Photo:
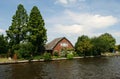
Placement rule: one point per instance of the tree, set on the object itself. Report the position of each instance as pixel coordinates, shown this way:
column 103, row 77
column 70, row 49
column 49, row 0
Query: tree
column 17, row 31
column 119, row 47
column 83, row 45
column 96, row 49
column 107, row 42
column 36, row 30
column 3, row 45
column 102, row 44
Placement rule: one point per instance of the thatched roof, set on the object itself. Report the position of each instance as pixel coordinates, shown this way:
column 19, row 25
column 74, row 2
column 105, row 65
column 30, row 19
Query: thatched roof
column 53, row 43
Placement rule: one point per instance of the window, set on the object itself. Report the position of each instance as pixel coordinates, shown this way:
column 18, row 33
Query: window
column 64, row 44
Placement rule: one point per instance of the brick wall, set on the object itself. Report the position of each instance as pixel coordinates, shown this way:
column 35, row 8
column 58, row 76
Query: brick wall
column 64, row 43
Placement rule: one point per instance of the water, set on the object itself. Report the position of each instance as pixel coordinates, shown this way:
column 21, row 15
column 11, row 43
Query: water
column 89, row 68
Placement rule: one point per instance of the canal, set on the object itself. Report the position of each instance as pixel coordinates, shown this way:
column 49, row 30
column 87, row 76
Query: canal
column 88, row 68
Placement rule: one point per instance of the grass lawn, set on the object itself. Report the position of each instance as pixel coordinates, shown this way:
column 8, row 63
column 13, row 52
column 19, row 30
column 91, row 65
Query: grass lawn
column 4, row 60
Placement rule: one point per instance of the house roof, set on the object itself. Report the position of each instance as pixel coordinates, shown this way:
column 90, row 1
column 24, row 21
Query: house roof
column 53, row 43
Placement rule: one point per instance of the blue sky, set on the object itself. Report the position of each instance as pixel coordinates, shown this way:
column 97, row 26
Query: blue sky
column 69, row 18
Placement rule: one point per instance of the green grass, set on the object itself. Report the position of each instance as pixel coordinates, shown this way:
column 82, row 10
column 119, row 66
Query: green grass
column 4, row 60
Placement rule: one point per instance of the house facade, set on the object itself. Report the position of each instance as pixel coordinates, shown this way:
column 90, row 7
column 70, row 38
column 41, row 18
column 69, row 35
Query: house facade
column 58, row 44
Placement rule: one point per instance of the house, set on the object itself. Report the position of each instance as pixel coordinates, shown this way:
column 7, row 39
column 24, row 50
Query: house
column 58, row 44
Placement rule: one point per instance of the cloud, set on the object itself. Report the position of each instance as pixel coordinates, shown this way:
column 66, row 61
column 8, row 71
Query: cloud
column 68, row 2
column 71, row 22
column 115, row 33
column 62, row 1
column 68, row 28
column 2, row 31
column 92, row 20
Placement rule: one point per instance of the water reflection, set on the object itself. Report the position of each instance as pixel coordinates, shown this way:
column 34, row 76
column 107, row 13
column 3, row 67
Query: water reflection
column 89, row 68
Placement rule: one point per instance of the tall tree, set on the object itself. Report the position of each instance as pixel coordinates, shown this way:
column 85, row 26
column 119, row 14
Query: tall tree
column 83, row 45
column 36, row 30
column 3, row 45
column 17, row 31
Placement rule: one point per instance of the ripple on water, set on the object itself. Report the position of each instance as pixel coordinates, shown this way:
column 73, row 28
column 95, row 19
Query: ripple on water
column 89, row 68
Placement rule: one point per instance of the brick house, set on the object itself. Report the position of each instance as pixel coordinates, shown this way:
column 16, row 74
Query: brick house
column 58, row 44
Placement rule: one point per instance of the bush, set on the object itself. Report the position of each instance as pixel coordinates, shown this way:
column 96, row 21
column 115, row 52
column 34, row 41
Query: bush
column 25, row 51
column 75, row 54
column 47, row 56
column 70, row 56
column 56, row 54
column 63, row 53
column 3, row 55
column 18, row 55
column 38, row 57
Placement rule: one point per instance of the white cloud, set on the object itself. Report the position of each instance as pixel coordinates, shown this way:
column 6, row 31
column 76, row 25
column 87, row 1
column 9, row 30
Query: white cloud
column 92, row 20
column 71, row 22
column 2, row 31
column 67, row 2
column 62, row 1
column 68, row 28
column 115, row 33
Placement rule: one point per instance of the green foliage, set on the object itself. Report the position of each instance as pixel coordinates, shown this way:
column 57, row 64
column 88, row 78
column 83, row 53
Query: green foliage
column 38, row 57
column 107, row 42
column 3, row 45
column 24, row 30
column 18, row 55
column 56, row 54
column 118, row 47
column 36, row 30
column 96, row 49
column 102, row 44
column 47, row 56
column 75, row 54
column 83, row 45
column 96, row 45
column 65, row 51
column 70, row 56
column 25, row 51
column 17, row 31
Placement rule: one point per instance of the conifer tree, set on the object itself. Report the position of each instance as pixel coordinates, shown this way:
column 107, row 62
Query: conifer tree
column 36, row 30
column 3, row 45
column 17, row 31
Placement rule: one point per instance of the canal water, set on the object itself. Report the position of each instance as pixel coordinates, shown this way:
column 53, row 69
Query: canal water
column 88, row 68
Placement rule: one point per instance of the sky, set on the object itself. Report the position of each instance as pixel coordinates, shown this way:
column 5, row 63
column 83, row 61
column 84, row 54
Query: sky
column 69, row 18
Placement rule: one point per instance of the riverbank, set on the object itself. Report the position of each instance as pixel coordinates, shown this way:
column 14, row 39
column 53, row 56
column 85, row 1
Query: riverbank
column 111, row 54
column 7, row 61
column 11, row 61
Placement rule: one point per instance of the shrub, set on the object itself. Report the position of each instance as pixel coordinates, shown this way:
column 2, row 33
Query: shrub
column 75, row 54
column 56, row 54
column 37, row 57
column 63, row 53
column 18, row 55
column 47, row 56
column 25, row 51
column 3, row 55
column 70, row 56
